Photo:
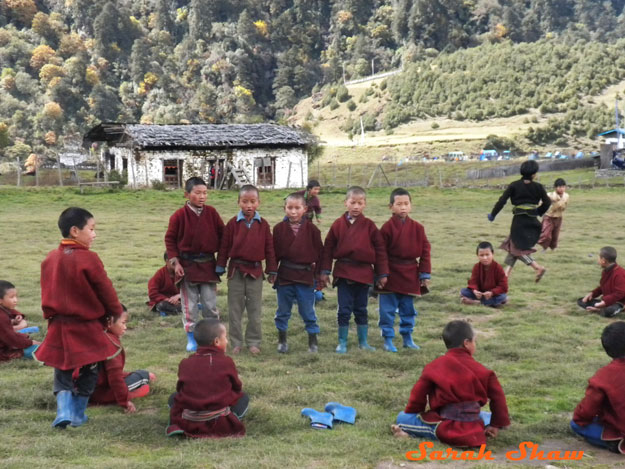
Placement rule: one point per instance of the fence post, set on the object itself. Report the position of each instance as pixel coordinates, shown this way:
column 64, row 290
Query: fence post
column 19, row 172
column 288, row 176
column 396, row 168
column 349, row 176
column 37, row 172
column 58, row 164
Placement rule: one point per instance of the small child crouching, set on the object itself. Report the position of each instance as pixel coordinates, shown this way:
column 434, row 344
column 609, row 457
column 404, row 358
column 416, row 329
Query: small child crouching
column 456, row 387
column 163, row 291
column 13, row 344
column 600, row 416
column 488, row 284
column 208, row 402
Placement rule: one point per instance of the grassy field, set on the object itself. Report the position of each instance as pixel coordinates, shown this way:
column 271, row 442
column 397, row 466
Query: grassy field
column 541, row 345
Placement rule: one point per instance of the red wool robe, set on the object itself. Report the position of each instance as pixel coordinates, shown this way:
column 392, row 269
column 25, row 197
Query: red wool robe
column 251, row 245
column 611, row 285
column 207, row 381
column 161, row 287
column 408, row 252
column 605, row 399
column 305, row 248
column 12, row 344
column 111, row 386
column 356, row 246
column 456, row 378
column 189, row 233
column 76, row 294
column 488, row 278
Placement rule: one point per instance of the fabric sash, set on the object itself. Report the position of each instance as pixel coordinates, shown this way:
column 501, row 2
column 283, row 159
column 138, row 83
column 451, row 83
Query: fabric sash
column 461, row 411
column 295, row 266
column 204, row 415
column 199, row 257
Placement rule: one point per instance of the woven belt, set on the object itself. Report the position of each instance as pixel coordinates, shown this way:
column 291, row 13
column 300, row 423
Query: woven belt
column 248, row 263
column 294, row 266
column 199, row 257
column 204, row 415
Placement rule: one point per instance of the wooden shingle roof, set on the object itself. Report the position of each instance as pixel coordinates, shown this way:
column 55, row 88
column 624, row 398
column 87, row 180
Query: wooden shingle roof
column 196, row 136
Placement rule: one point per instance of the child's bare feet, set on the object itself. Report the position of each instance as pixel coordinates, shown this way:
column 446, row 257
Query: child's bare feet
column 539, row 274
column 398, row 432
column 236, row 350
column 468, row 301
column 254, row 350
column 152, row 377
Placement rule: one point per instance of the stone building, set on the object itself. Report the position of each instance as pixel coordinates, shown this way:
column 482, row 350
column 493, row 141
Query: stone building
column 224, row 155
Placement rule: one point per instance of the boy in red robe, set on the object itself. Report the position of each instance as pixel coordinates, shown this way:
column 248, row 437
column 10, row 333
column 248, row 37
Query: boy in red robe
column 76, row 294
column 611, row 287
column 456, row 386
column 192, row 239
column 298, row 247
column 600, row 416
column 209, row 401
column 163, row 291
column 409, row 266
column 12, row 344
column 488, row 284
column 356, row 244
column 247, row 242
column 114, row 385
column 313, row 206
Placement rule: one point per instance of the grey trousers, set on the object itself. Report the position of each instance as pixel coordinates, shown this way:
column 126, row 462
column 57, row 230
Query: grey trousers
column 245, row 293
column 193, row 293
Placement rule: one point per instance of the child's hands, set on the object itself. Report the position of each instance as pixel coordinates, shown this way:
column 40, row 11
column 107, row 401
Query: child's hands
column 271, row 278
column 425, row 283
column 587, row 298
column 596, row 307
column 130, row 408
column 491, row 432
column 382, row 282
column 17, row 319
column 36, row 342
column 488, row 295
column 174, row 300
column 478, row 294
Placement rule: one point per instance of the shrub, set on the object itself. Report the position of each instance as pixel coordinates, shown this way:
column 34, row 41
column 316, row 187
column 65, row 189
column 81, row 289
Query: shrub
column 351, row 105
column 435, row 125
column 342, row 94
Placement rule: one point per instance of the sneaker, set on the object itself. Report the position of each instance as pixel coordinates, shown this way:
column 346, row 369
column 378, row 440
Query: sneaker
column 611, row 311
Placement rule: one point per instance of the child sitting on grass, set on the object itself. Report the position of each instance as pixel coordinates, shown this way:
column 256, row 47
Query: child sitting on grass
column 488, row 284
column 12, row 344
column 611, row 286
column 163, row 291
column 114, row 385
column 456, row 387
column 600, row 416
column 208, row 402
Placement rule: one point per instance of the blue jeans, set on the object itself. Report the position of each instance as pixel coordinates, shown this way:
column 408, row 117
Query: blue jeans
column 591, row 433
column 495, row 300
column 417, row 428
column 390, row 303
column 305, row 297
column 352, row 297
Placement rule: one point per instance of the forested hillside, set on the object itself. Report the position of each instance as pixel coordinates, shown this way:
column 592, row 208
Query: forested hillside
column 67, row 64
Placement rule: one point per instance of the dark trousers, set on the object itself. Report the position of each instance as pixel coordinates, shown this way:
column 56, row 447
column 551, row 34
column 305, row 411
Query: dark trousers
column 608, row 311
column 239, row 409
column 165, row 308
column 136, row 379
column 84, row 385
column 352, row 297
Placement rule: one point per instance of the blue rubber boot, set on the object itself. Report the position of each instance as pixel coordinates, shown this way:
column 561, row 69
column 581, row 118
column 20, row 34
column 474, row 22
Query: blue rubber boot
column 342, row 346
column 408, row 343
column 388, row 345
column 191, row 343
column 79, row 405
column 363, row 331
column 63, row 409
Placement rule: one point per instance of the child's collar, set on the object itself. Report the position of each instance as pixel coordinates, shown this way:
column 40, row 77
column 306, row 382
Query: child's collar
column 73, row 242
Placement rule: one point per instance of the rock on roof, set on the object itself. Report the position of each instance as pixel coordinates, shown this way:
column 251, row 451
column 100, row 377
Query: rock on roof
column 197, row 135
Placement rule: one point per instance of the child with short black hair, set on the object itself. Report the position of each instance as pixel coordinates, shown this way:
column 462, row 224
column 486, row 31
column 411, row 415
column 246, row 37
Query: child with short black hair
column 192, row 239
column 488, row 284
column 552, row 219
column 247, row 241
column 409, row 267
column 611, row 287
column 13, row 344
column 600, row 416
column 163, row 291
column 209, row 401
column 357, row 245
column 313, row 206
column 76, row 295
column 114, row 384
column 298, row 247
column 455, row 386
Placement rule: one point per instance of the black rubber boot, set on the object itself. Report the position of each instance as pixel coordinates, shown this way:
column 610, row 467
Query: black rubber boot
column 283, row 347
column 312, row 343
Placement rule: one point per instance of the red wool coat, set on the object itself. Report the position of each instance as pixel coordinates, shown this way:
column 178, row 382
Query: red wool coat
column 161, row 287
column 605, row 399
column 408, row 252
column 611, row 285
column 305, row 248
column 189, row 233
column 456, row 378
column 356, row 246
column 111, row 386
column 76, row 294
column 251, row 245
column 207, row 381
column 12, row 344
column 491, row 278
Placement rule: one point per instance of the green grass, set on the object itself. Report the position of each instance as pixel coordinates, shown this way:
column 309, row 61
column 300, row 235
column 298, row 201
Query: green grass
column 541, row 346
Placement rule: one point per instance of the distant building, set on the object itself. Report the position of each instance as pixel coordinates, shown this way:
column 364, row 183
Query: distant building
column 224, row 155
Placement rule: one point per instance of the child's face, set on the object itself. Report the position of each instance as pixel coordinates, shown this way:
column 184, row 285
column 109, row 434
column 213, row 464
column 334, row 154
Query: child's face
column 248, row 203
column 118, row 327
column 221, row 342
column 84, row 235
column 560, row 190
column 355, row 205
column 401, row 206
column 470, row 345
column 314, row 190
column 197, row 196
column 9, row 300
column 294, row 210
column 602, row 262
column 485, row 256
